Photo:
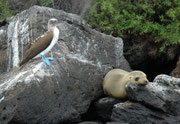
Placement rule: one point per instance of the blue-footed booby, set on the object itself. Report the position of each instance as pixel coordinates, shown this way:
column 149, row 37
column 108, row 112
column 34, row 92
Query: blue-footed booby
column 43, row 44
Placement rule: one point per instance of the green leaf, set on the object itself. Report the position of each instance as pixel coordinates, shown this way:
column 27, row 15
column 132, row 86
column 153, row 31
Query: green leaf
column 159, row 18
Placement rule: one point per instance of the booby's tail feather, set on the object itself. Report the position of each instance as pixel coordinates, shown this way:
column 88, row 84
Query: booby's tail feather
column 23, row 62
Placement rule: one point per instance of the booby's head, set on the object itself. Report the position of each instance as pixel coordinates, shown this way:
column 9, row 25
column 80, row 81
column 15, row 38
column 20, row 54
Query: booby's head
column 52, row 23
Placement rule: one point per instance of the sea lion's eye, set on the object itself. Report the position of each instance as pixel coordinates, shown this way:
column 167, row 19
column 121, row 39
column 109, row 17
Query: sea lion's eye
column 137, row 78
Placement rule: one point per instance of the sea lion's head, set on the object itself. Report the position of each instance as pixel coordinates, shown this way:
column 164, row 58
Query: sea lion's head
column 138, row 77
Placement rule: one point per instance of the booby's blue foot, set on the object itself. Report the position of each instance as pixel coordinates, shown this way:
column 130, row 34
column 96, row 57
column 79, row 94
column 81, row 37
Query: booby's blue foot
column 49, row 58
column 46, row 60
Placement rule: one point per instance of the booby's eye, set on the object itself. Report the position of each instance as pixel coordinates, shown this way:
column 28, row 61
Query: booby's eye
column 55, row 21
column 137, row 78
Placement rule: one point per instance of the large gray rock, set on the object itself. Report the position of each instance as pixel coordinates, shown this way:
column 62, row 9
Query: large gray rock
column 79, row 7
column 163, row 94
column 135, row 113
column 157, row 103
column 21, row 4
column 59, row 93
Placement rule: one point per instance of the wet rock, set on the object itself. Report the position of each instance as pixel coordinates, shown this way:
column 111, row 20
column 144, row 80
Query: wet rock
column 135, row 113
column 162, row 94
column 62, row 92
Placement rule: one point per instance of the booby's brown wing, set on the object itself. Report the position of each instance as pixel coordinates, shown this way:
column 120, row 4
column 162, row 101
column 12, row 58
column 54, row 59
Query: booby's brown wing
column 37, row 46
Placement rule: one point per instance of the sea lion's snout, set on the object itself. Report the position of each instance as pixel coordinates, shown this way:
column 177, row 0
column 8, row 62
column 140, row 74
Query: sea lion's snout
column 145, row 82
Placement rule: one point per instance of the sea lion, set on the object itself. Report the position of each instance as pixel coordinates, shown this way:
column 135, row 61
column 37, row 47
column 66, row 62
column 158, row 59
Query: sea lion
column 115, row 81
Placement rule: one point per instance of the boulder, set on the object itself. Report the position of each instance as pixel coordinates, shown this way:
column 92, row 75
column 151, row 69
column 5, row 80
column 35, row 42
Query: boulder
column 79, row 7
column 16, row 5
column 62, row 92
column 136, row 113
column 163, row 94
column 158, row 103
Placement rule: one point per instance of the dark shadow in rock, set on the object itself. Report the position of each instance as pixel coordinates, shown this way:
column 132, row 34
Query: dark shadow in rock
column 144, row 54
column 152, row 68
column 101, row 109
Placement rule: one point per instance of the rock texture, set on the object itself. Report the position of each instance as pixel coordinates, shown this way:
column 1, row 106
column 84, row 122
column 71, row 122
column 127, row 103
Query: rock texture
column 21, row 4
column 79, row 7
column 61, row 93
column 162, row 94
column 176, row 71
column 3, row 47
column 102, row 109
column 158, row 102
column 135, row 113
column 116, row 123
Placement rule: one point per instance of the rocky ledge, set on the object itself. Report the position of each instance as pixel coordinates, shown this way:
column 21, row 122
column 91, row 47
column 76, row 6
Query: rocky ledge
column 156, row 103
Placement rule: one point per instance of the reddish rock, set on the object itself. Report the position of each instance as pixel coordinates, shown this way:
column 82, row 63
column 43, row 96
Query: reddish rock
column 176, row 71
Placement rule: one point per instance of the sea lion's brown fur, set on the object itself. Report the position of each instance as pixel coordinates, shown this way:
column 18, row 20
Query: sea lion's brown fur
column 115, row 81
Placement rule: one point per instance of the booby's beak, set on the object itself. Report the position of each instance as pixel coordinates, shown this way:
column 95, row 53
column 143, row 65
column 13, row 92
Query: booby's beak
column 54, row 22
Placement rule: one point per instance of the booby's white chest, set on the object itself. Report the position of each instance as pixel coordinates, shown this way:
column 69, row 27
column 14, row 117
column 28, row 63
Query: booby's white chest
column 53, row 42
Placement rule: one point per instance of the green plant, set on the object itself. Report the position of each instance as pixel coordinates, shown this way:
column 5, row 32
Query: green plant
column 4, row 10
column 45, row 2
column 159, row 18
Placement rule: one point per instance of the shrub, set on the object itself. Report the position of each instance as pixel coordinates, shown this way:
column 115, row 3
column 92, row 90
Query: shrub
column 45, row 2
column 4, row 10
column 159, row 18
